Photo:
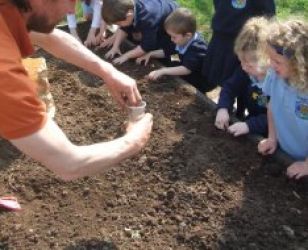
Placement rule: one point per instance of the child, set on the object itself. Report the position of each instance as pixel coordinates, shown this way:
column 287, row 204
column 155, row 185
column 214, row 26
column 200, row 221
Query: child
column 91, row 10
column 181, row 26
column 229, row 17
column 287, row 86
column 249, row 47
column 145, row 17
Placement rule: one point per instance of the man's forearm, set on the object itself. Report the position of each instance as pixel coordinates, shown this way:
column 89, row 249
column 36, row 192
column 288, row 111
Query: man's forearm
column 64, row 46
column 51, row 147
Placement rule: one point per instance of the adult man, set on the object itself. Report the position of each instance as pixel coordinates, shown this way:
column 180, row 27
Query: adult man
column 23, row 119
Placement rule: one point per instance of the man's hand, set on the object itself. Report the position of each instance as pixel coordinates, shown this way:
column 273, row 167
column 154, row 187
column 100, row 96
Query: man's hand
column 123, row 88
column 238, row 128
column 222, row 119
column 139, row 131
column 267, row 146
column 121, row 59
column 156, row 74
column 112, row 53
column 144, row 59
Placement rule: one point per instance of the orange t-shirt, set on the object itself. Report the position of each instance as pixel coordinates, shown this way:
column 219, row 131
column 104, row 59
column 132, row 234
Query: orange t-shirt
column 21, row 111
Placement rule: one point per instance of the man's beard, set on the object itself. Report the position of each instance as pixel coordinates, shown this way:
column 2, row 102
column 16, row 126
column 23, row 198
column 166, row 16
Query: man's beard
column 40, row 24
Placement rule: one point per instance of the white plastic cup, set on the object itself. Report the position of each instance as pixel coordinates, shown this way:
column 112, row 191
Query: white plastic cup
column 135, row 113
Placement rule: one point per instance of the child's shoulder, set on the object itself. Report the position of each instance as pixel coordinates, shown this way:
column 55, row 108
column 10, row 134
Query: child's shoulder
column 198, row 43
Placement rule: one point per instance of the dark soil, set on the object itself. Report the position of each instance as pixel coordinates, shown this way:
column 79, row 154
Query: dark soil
column 192, row 187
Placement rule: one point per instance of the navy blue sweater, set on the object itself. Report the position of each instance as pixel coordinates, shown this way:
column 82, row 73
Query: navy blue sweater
column 230, row 15
column 191, row 57
column 240, row 84
column 149, row 19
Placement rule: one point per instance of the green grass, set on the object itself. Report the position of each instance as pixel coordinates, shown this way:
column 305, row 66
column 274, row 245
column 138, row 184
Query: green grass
column 203, row 9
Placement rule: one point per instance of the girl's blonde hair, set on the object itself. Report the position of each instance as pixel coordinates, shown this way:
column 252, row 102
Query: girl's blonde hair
column 252, row 39
column 292, row 37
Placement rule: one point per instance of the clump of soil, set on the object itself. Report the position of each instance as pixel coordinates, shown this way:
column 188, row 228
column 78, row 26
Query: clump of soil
column 192, row 187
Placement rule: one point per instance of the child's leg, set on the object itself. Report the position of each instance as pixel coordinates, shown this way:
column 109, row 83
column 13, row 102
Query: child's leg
column 220, row 62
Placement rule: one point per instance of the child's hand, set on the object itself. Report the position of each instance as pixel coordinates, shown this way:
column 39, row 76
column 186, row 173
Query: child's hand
column 298, row 170
column 154, row 75
column 112, row 53
column 91, row 39
column 108, row 42
column 267, row 146
column 145, row 58
column 120, row 60
column 238, row 128
column 100, row 37
column 222, row 119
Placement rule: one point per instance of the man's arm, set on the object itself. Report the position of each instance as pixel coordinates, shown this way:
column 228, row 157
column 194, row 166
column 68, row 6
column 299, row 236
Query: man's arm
column 64, row 46
column 52, row 148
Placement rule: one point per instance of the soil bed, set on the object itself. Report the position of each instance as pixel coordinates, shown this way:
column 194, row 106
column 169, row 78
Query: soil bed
column 192, row 187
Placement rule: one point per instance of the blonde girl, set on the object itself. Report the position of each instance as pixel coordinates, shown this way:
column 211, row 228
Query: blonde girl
column 287, row 86
column 247, row 83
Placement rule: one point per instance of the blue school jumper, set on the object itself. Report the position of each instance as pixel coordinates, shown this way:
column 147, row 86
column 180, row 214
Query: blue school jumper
column 149, row 18
column 191, row 56
column 241, row 84
column 229, row 18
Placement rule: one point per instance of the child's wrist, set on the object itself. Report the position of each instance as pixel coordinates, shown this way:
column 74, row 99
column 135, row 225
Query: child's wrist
column 272, row 139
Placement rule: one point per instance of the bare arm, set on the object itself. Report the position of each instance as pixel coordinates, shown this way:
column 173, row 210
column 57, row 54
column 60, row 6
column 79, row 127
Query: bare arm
column 119, row 37
column 269, row 145
column 66, row 47
column 157, row 53
column 173, row 71
column 52, row 148
column 176, row 71
column 62, row 45
column 131, row 54
column 152, row 54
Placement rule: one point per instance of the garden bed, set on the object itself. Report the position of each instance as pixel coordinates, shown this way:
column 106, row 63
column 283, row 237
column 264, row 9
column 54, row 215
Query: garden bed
column 192, row 187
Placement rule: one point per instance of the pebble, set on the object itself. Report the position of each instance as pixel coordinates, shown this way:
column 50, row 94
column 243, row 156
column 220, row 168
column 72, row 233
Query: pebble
column 289, row 231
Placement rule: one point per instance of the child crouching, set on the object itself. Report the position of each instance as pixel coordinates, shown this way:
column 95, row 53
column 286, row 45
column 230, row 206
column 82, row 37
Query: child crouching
column 190, row 49
column 247, row 83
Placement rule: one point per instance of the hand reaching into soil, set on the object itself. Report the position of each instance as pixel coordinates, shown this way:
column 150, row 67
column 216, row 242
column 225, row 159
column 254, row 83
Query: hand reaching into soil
column 222, row 119
column 144, row 59
column 267, row 146
column 91, row 38
column 298, row 170
column 238, row 128
column 112, row 53
column 156, row 74
column 108, row 42
column 123, row 88
column 121, row 59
